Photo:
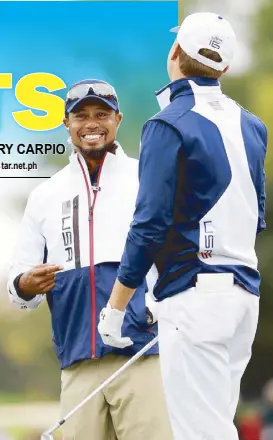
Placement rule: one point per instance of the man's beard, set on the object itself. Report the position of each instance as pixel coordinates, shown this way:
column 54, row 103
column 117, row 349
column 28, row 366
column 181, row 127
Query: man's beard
column 98, row 153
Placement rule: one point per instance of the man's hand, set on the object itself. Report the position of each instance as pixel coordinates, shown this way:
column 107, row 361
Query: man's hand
column 40, row 279
column 109, row 327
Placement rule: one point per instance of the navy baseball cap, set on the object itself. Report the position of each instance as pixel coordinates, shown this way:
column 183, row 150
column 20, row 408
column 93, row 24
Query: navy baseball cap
column 91, row 89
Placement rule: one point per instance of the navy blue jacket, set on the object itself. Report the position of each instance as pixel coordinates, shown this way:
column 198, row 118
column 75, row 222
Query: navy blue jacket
column 201, row 175
column 75, row 301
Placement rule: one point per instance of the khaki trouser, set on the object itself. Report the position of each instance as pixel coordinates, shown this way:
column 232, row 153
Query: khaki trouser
column 132, row 407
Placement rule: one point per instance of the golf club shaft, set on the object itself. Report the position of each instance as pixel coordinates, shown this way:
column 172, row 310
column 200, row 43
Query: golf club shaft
column 103, row 385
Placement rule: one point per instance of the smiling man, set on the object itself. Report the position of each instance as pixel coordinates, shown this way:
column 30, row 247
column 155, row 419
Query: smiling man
column 70, row 248
column 92, row 140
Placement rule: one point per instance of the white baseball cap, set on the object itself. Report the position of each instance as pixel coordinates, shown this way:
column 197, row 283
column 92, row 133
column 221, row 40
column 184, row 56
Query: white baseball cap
column 206, row 30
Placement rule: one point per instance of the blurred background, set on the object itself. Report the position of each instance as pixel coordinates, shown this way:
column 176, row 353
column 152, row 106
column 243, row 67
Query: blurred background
column 126, row 44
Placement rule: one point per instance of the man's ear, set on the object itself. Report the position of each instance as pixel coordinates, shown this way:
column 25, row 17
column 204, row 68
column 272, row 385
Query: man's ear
column 225, row 69
column 176, row 52
column 119, row 117
column 66, row 123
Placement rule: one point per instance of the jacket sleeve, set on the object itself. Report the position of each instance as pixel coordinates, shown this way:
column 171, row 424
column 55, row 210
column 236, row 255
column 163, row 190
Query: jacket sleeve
column 260, row 184
column 261, row 202
column 28, row 252
column 160, row 144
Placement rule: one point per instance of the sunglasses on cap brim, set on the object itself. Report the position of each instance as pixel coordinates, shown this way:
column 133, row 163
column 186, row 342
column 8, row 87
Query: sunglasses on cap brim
column 100, row 89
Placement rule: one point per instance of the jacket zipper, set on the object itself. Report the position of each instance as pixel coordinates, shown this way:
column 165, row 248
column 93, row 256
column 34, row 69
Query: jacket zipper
column 91, row 207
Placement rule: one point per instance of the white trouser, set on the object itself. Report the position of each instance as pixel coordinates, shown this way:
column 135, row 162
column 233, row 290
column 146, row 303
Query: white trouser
column 205, row 339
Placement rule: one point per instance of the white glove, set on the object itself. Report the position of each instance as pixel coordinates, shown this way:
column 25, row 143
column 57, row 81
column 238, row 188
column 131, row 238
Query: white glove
column 151, row 308
column 109, row 327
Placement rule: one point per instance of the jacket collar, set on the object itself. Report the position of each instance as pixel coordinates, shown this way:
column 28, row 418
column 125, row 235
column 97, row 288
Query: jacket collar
column 111, row 161
column 186, row 86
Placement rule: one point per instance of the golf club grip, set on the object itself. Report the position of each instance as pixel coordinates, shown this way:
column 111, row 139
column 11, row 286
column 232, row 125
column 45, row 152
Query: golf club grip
column 103, row 385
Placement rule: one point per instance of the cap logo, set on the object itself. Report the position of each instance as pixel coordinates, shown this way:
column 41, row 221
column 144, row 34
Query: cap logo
column 215, row 42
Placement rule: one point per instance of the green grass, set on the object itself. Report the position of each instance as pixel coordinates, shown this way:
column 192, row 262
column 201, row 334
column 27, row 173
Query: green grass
column 11, row 398
column 6, row 398
column 26, row 434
